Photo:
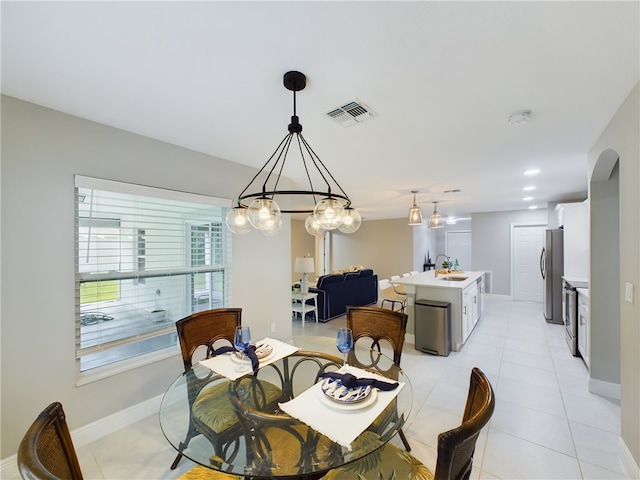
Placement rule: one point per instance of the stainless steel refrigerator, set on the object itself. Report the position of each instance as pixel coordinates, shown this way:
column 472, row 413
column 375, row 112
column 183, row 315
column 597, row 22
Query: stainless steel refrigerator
column 551, row 269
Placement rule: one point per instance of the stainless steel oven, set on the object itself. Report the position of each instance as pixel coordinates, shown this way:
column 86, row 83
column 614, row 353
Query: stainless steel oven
column 570, row 314
column 570, row 310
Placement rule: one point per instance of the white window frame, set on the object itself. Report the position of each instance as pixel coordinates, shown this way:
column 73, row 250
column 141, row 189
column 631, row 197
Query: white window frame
column 126, row 264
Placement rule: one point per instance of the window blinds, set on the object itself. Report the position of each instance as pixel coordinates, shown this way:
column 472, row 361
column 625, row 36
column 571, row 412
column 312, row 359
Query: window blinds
column 145, row 257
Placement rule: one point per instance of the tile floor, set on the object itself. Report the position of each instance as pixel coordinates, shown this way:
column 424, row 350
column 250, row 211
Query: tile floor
column 546, row 424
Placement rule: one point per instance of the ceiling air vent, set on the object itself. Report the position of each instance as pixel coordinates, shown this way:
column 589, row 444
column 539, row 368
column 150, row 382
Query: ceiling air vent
column 351, row 113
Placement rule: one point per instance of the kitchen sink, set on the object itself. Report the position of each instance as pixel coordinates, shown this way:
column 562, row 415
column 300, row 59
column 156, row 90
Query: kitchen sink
column 454, row 279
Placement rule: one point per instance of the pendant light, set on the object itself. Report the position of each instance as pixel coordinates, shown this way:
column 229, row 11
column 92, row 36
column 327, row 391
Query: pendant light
column 415, row 214
column 435, row 219
column 328, row 205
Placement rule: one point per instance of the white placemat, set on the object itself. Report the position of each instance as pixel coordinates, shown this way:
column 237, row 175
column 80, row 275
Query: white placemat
column 341, row 423
column 233, row 368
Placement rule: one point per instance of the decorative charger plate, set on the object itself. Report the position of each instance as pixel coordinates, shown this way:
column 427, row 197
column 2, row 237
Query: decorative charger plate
column 334, row 390
column 263, row 351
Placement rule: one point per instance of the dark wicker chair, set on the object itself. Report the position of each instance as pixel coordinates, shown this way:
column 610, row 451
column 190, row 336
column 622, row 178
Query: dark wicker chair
column 46, row 451
column 277, row 444
column 212, row 414
column 380, row 326
column 455, row 447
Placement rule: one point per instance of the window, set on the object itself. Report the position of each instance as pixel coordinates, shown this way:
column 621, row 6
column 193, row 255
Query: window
column 145, row 257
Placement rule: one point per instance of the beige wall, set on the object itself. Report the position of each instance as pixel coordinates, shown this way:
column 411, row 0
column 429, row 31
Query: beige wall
column 41, row 151
column 302, row 245
column 621, row 136
column 384, row 245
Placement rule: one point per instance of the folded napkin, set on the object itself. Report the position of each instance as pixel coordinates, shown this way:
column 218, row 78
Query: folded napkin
column 225, row 362
column 251, row 353
column 350, row 381
column 342, row 424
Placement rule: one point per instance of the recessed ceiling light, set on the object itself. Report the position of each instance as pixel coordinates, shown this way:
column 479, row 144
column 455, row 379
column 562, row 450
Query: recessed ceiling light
column 520, row 118
column 532, row 207
column 529, row 188
column 533, row 171
column 527, row 199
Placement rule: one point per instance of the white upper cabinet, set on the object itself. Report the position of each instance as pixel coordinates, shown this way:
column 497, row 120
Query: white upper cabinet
column 573, row 217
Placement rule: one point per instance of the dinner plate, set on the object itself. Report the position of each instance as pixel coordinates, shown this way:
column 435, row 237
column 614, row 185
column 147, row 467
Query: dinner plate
column 335, row 391
column 263, row 350
column 347, row 407
column 238, row 357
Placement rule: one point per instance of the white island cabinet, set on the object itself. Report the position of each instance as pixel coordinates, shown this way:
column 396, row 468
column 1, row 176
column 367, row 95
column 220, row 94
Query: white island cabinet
column 460, row 289
column 584, row 326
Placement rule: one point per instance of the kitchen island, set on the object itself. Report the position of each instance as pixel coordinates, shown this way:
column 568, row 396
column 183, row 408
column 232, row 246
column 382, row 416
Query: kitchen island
column 463, row 290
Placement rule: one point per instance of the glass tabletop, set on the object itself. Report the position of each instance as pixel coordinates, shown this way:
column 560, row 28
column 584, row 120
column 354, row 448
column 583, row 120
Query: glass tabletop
column 247, row 433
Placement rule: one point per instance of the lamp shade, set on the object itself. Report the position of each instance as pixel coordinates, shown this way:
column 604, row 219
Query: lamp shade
column 304, row 265
column 435, row 219
column 415, row 214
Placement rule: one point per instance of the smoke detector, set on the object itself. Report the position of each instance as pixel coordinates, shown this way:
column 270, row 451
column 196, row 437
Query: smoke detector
column 351, row 113
column 520, row 118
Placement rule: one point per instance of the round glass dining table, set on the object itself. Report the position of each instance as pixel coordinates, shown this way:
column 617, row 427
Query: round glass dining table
column 272, row 443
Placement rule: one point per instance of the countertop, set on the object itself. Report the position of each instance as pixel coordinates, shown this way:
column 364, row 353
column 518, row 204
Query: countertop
column 428, row 279
column 577, row 282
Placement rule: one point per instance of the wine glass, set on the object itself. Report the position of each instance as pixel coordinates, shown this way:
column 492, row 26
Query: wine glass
column 344, row 341
column 242, row 339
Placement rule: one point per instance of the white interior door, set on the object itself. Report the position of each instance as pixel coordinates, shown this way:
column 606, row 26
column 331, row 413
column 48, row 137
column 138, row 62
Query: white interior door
column 458, row 245
column 527, row 243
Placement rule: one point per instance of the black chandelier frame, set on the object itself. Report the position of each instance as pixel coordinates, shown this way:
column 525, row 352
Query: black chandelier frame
column 295, row 82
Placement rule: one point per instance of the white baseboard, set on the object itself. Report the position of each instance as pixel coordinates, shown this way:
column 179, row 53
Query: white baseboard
column 94, row 431
column 630, row 465
column 605, row 389
column 9, row 467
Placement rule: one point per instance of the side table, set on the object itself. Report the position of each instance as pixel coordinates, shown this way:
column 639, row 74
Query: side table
column 299, row 304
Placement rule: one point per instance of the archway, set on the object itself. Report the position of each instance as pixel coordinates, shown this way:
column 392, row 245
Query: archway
column 605, row 273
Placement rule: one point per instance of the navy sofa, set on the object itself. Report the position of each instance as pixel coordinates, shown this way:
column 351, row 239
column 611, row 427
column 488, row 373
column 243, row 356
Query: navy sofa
column 337, row 291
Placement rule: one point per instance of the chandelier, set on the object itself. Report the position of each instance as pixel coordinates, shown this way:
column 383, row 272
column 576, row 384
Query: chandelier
column 328, row 206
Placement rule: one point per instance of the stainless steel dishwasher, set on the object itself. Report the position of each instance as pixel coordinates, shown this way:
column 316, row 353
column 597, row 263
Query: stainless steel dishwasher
column 433, row 327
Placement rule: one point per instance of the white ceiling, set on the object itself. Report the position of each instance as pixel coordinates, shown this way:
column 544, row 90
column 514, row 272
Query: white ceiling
column 442, row 78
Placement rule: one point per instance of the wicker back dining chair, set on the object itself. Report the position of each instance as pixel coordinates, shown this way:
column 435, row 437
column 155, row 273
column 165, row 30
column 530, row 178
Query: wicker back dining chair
column 46, row 451
column 198, row 332
column 379, row 326
column 455, row 447
column 211, row 412
column 203, row 329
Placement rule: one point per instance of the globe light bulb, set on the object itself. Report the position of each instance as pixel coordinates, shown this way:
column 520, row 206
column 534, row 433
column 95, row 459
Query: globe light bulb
column 237, row 221
column 272, row 227
column 263, row 213
column 329, row 214
column 312, row 226
column 352, row 221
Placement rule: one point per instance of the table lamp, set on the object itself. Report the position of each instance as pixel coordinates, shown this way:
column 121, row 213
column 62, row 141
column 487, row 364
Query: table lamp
column 304, row 265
